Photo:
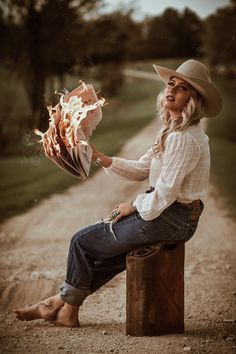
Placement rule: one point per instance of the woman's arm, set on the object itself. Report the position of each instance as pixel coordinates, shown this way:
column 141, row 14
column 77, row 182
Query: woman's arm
column 103, row 160
column 130, row 170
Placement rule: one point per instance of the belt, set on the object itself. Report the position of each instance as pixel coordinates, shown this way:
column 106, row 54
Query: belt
column 195, row 208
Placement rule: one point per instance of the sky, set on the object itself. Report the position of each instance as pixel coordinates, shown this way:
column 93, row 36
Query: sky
column 155, row 7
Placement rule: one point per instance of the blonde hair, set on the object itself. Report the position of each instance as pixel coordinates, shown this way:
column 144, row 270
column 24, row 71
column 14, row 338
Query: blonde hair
column 190, row 115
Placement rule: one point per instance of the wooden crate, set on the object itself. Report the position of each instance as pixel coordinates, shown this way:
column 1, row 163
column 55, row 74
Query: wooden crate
column 155, row 290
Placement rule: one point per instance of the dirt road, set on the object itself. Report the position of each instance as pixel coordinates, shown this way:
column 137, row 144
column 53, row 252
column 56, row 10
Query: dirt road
column 33, row 257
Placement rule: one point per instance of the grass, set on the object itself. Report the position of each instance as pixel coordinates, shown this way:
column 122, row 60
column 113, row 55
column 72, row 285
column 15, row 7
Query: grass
column 27, row 180
column 223, row 169
column 223, row 126
column 222, row 133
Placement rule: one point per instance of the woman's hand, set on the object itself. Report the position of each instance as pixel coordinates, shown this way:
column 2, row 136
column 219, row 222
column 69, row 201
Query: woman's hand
column 100, row 158
column 121, row 210
column 96, row 153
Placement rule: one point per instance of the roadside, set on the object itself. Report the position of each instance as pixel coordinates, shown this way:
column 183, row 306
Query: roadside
column 33, row 257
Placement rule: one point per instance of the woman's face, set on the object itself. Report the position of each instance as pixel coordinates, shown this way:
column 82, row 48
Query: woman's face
column 176, row 95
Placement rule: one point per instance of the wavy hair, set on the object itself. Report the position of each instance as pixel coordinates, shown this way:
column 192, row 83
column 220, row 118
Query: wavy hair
column 190, row 115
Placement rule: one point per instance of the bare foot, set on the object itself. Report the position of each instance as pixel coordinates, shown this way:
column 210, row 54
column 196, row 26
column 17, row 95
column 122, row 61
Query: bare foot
column 46, row 310
column 67, row 316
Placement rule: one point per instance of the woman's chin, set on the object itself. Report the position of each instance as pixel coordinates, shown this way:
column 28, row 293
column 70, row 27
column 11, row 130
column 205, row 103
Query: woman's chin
column 170, row 105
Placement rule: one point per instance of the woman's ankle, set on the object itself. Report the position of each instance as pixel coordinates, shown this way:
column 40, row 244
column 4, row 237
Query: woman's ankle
column 68, row 316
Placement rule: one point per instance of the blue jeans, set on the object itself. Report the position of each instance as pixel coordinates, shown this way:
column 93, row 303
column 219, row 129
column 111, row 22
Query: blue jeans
column 98, row 252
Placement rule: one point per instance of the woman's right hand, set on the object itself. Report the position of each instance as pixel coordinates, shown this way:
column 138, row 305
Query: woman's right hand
column 100, row 158
column 96, row 153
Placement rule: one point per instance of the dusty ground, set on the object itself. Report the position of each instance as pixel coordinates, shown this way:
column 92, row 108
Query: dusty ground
column 33, row 257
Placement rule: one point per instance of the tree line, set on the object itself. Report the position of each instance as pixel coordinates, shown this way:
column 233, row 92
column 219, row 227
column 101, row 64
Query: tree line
column 43, row 39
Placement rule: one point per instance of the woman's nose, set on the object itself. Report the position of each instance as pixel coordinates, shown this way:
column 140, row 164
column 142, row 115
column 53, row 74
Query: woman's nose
column 172, row 89
column 175, row 86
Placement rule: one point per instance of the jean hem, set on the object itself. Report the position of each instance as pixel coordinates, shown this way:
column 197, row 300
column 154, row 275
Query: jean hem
column 73, row 296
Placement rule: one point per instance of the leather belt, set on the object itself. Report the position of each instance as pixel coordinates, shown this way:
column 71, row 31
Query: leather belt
column 196, row 207
column 194, row 204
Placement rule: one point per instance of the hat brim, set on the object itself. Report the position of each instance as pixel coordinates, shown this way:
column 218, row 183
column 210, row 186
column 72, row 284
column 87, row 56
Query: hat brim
column 211, row 96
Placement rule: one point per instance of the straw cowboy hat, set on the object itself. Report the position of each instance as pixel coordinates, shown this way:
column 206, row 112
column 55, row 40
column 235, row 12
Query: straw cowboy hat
column 197, row 75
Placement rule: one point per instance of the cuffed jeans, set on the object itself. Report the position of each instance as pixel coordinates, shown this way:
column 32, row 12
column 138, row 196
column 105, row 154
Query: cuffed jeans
column 98, row 252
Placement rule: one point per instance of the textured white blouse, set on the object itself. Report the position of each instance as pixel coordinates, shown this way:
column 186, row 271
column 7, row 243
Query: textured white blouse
column 180, row 172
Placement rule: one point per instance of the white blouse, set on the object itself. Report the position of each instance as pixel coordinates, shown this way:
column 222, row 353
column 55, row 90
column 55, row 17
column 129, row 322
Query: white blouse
column 180, row 172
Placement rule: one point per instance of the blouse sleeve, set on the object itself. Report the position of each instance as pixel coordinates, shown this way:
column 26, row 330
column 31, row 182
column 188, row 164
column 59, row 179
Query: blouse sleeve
column 131, row 170
column 181, row 155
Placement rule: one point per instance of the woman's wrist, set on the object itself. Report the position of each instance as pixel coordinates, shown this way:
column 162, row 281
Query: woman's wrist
column 133, row 206
column 102, row 160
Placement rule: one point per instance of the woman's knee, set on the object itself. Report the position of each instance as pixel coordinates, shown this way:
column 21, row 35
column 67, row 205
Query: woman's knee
column 84, row 236
column 76, row 237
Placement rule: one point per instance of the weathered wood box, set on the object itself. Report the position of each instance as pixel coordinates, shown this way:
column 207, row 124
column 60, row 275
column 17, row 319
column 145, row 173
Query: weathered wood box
column 155, row 290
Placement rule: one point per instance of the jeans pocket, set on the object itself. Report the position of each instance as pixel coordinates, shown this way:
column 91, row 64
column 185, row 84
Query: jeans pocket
column 161, row 229
column 171, row 222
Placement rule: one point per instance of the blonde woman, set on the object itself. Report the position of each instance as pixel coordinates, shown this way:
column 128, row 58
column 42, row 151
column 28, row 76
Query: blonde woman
column 177, row 167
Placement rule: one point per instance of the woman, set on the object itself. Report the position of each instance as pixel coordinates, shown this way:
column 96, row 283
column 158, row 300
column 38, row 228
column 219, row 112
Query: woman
column 178, row 170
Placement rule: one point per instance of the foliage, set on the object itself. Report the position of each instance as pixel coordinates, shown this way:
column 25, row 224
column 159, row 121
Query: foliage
column 223, row 170
column 43, row 38
column 174, row 34
column 219, row 40
column 221, row 126
column 108, row 47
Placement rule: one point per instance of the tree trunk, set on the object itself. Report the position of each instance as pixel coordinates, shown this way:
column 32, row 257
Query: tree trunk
column 35, row 89
column 111, row 76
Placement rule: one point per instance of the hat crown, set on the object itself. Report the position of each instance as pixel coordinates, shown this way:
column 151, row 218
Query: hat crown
column 195, row 70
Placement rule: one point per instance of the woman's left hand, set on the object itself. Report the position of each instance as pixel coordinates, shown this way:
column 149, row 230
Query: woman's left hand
column 121, row 210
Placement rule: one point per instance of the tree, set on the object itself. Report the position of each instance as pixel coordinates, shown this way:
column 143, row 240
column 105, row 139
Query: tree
column 49, row 34
column 191, row 28
column 219, row 41
column 108, row 46
column 162, row 34
column 136, row 49
column 174, row 34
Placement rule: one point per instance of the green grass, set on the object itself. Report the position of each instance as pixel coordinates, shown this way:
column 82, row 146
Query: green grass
column 223, row 126
column 25, row 181
column 222, row 133
column 223, row 170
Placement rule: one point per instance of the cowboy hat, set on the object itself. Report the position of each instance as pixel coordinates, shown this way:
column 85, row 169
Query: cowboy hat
column 197, row 75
